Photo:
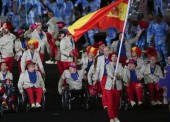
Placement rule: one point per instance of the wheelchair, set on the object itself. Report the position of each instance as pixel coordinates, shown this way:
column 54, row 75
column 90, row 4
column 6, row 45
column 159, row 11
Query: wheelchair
column 68, row 95
column 24, row 104
column 9, row 96
column 94, row 93
column 1, row 109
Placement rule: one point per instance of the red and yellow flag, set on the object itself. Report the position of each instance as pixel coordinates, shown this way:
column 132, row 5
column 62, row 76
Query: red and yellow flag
column 112, row 15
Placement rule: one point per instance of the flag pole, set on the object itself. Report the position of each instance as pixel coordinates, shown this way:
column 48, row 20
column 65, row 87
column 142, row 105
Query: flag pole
column 122, row 38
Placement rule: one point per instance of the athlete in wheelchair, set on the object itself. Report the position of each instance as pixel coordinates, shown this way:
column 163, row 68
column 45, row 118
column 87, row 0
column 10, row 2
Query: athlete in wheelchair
column 134, row 87
column 31, row 87
column 71, row 86
column 7, row 91
column 152, row 73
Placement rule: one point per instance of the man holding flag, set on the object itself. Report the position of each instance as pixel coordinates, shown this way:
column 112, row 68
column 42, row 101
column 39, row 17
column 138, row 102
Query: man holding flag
column 113, row 15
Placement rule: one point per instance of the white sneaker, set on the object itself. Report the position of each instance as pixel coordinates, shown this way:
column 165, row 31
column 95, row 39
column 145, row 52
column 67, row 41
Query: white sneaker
column 168, row 9
column 159, row 102
column 140, row 102
column 38, row 105
column 165, row 101
column 33, row 105
column 116, row 120
column 55, row 62
column 132, row 103
column 105, row 107
column 49, row 62
column 153, row 102
column 111, row 120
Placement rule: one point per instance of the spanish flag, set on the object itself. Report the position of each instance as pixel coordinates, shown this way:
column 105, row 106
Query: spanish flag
column 112, row 15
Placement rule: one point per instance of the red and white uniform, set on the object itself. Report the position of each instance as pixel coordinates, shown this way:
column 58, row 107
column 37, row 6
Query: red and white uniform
column 113, row 88
column 66, row 46
column 25, row 83
column 58, row 57
column 6, row 49
column 18, row 52
column 53, row 27
column 51, row 42
column 42, row 43
column 35, row 58
column 102, row 78
column 152, row 81
column 133, row 86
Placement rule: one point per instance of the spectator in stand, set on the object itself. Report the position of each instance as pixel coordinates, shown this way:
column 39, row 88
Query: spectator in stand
column 85, row 12
column 160, row 31
column 16, row 6
column 69, row 16
column 6, row 3
column 142, row 42
column 27, row 13
column 52, row 25
column 168, row 5
column 158, row 6
column 111, row 35
column 61, row 6
column 37, row 10
column 84, row 3
column 52, row 6
column 152, row 21
column 94, row 5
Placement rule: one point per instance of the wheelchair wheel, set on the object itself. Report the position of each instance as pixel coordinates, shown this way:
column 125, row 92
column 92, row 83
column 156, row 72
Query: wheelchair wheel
column 126, row 106
column 69, row 105
column 43, row 102
column 26, row 104
column 20, row 102
column 87, row 99
column 1, row 111
column 16, row 109
column 66, row 103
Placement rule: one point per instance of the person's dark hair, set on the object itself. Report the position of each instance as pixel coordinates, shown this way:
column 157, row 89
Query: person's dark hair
column 160, row 16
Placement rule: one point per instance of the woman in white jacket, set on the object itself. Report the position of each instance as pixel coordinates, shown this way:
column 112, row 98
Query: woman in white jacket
column 88, row 61
column 32, row 54
column 32, row 82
